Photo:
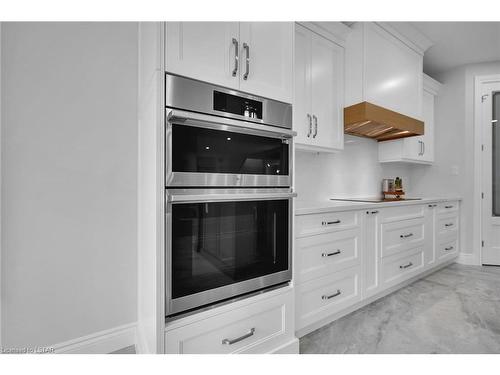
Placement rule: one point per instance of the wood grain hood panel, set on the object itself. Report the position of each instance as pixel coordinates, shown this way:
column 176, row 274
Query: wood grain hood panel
column 372, row 121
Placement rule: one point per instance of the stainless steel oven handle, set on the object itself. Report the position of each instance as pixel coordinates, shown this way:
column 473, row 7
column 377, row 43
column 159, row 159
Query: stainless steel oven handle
column 224, row 195
column 227, row 124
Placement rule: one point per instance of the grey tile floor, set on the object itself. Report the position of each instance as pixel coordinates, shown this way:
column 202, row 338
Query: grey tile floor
column 454, row 310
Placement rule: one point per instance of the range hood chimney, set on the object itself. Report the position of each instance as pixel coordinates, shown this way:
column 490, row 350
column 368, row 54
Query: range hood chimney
column 372, row 121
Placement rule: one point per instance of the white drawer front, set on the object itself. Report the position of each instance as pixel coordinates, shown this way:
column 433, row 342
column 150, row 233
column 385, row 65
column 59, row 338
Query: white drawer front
column 447, row 207
column 399, row 236
column 446, row 225
column 255, row 328
column 323, row 254
column 319, row 298
column 328, row 222
column 390, row 214
column 447, row 249
column 401, row 267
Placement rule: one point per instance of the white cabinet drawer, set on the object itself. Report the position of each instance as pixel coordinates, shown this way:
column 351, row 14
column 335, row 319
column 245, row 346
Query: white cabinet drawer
column 324, row 254
column 447, row 249
column 328, row 222
column 447, row 225
column 447, row 207
column 402, row 266
column 399, row 236
column 319, row 298
column 255, row 328
column 390, row 214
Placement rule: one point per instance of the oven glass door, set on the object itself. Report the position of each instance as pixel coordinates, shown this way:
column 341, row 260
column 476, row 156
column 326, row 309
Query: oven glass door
column 210, row 157
column 221, row 244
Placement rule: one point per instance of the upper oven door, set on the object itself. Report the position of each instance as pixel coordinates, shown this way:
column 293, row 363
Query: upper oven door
column 209, row 151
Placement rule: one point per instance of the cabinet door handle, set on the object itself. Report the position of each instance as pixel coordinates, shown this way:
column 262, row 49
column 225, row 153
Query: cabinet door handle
column 420, row 148
column 423, row 148
column 432, row 205
column 315, row 126
column 448, row 225
column 246, row 47
column 310, row 125
column 236, row 56
column 448, row 206
column 238, row 339
column 406, row 265
column 448, row 248
column 330, row 222
column 406, row 235
column 324, row 255
column 337, row 293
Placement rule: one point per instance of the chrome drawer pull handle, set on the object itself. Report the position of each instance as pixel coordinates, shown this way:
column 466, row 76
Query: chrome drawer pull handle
column 448, row 248
column 448, row 206
column 338, row 293
column 448, row 225
column 310, row 125
column 406, row 265
column 234, row 341
column 236, row 57
column 330, row 254
column 406, row 235
column 330, row 222
column 432, row 205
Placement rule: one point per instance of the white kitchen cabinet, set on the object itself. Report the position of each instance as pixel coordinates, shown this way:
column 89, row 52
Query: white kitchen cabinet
column 254, row 57
column 347, row 259
column 203, row 51
column 318, row 93
column 258, row 325
column 419, row 149
column 384, row 69
column 268, row 48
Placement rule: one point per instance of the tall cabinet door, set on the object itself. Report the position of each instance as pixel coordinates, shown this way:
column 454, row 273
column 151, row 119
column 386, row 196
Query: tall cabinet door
column 327, row 93
column 428, row 137
column 266, row 56
column 204, row 50
column 302, row 117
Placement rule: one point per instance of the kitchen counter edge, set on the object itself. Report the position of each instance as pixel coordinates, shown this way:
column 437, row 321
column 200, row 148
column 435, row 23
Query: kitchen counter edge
column 317, row 207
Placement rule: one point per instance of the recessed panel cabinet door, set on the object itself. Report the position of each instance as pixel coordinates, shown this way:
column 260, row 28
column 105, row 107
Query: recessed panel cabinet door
column 428, row 117
column 204, row 51
column 266, row 56
column 327, row 93
column 302, row 117
column 392, row 73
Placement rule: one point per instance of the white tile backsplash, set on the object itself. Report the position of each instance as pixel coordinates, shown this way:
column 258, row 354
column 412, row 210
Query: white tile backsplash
column 354, row 172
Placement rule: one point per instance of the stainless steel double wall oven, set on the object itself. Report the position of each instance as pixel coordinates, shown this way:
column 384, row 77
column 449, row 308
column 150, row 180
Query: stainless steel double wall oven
column 228, row 193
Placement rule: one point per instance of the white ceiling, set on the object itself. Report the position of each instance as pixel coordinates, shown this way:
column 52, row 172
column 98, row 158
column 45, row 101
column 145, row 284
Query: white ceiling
column 459, row 43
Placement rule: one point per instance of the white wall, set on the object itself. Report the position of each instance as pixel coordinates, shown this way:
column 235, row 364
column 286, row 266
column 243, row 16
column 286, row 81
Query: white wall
column 354, row 172
column 69, row 180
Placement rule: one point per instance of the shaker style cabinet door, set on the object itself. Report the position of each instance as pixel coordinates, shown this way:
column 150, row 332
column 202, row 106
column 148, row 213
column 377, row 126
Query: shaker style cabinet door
column 327, row 93
column 266, row 59
column 302, row 117
column 428, row 117
column 392, row 73
column 204, row 50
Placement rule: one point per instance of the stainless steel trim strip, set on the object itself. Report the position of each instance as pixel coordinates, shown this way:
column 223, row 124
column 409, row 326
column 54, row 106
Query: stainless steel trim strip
column 220, row 123
column 192, row 95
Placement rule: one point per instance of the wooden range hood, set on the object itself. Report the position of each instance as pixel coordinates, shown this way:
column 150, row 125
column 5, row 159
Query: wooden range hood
column 369, row 120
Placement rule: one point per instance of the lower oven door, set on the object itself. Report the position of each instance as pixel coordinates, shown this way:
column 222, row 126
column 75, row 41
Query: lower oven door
column 225, row 243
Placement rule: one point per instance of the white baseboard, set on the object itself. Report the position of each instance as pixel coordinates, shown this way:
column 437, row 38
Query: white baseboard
column 467, row 259
column 291, row 347
column 101, row 342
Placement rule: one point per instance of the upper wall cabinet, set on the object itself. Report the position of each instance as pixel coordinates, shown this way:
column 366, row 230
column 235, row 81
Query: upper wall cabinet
column 254, row 57
column 383, row 68
column 419, row 149
column 318, row 115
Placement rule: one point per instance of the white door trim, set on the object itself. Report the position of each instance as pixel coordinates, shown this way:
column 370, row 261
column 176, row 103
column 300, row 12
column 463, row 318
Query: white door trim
column 478, row 177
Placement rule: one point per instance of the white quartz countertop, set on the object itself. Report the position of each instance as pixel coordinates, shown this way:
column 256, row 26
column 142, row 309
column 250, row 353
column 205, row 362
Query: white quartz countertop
column 305, row 207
